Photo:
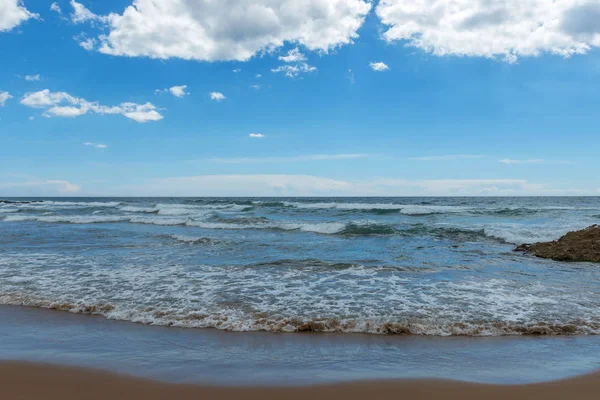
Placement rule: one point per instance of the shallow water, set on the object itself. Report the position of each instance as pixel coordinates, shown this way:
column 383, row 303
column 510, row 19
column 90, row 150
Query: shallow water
column 420, row 266
column 208, row 356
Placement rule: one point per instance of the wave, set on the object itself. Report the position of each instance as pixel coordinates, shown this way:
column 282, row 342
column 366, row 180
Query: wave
column 505, row 233
column 519, row 234
column 422, row 209
column 322, row 227
column 19, row 201
column 230, row 320
column 184, row 209
column 81, row 203
column 197, row 240
column 380, row 208
column 133, row 209
column 75, row 219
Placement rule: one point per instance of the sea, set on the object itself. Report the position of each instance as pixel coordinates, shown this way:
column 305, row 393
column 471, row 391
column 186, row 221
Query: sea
column 435, row 267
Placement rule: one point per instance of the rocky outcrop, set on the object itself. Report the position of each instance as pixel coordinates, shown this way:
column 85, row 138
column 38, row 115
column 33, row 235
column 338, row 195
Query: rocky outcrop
column 579, row 246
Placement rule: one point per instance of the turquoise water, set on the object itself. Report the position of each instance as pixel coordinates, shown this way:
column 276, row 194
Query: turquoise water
column 418, row 266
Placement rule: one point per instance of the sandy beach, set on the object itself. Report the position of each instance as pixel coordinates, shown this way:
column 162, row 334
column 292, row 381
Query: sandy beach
column 25, row 381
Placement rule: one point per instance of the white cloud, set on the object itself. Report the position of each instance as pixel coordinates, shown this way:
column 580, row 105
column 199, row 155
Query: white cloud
column 258, row 76
column 55, row 7
column 39, row 187
column 96, row 145
column 256, row 135
column 178, row 91
column 86, row 43
column 505, row 29
column 307, row 185
column 61, row 104
column 295, row 64
column 225, row 29
column 240, row 185
column 293, row 71
column 4, row 96
column 13, row 13
column 448, row 157
column 293, row 56
column 532, row 161
column 81, row 14
column 306, row 158
column 379, row 66
column 31, row 118
column 237, row 70
column 217, row 96
column 255, row 87
column 32, row 78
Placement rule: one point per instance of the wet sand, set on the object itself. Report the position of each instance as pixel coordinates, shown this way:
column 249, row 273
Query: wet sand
column 26, row 381
column 211, row 357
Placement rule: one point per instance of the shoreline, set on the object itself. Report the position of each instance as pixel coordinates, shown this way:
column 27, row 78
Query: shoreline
column 24, row 381
column 242, row 359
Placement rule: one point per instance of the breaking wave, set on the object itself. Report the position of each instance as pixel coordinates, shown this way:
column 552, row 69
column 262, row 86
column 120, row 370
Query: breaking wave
column 236, row 321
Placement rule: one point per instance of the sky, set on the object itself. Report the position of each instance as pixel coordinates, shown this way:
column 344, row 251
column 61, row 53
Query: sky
column 299, row 97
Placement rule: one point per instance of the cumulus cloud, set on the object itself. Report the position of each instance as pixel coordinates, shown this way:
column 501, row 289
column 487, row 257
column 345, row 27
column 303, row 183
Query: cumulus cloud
column 177, row 91
column 81, row 14
column 292, row 71
column 237, row 70
column 217, row 96
column 32, row 78
column 379, row 66
column 293, row 55
column 4, row 96
column 13, row 13
column 256, row 135
column 61, row 104
column 225, row 29
column 55, row 7
column 96, row 145
column 85, row 42
column 506, row 29
column 295, row 64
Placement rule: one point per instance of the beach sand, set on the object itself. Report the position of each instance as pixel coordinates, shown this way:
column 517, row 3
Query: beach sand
column 24, row 381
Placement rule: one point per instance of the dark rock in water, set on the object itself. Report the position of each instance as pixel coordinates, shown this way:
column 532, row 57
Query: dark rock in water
column 579, row 246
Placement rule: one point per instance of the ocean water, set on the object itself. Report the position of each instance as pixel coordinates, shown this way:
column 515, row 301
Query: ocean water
column 411, row 266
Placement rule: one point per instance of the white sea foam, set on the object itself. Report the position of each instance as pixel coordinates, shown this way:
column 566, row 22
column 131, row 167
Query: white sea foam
column 138, row 209
column 153, row 290
column 520, row 233
column 428, row 210
column 74, row 219
column 407, row 209
column 78, row 203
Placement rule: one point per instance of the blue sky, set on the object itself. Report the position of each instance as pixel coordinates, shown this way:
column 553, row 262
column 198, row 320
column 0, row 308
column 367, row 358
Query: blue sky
column 344, row 97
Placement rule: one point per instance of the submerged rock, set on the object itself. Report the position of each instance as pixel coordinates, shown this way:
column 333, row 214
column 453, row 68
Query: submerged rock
column 579, row 246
